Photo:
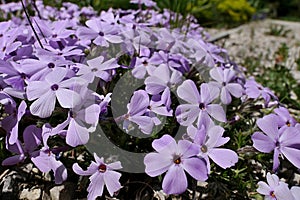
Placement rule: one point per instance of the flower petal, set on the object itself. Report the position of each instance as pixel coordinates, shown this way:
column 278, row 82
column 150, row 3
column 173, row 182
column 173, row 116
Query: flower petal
column 111, row 180
column 189, row 92
column 157, row 163
column 262, row 142
column 196, row 167
column 223, row 157
column 175, row 181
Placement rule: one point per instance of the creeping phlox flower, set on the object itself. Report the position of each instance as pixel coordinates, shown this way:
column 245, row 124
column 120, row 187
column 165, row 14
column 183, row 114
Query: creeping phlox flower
column 275, row 189
column 53, row 87
column 100, row 174
column 284, row 141
column 209, row 142
column 175, row 159
column 199, row 105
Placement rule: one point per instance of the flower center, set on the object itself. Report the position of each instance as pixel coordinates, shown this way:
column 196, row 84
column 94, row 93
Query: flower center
column 94, row 69
column 102, row 168
column 288, row 123
column 101, row 33
column 272, row 194
column 177, row 160
column 202, row 106
column 51, row 65
column 145, row 63
column 72, row 114
column 204, row 148
column 54, row 87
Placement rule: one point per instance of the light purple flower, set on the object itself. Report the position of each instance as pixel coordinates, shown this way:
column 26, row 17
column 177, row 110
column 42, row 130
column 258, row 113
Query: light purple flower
column 100, row 174
column 209, row 142
column 284, row 117
column 137, row 107
column 199, row 104
column 284, row 141
column 161, row 78
column 97, row 68
column 274, row 189
column 102, row 33
column 53, row 87
column 224, row 80
column 255, row 90
column 45, row 159
column 175, row 159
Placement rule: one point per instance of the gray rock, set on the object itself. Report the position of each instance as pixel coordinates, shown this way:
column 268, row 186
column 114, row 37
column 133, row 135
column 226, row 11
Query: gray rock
column 30, row 194
column 65, row 191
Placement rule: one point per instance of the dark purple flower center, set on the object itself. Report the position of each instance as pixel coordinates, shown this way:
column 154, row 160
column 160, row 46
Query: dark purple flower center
column 54, row 36
column 177, row 160
column 277, row 144
column 101, row 33
column 202, row 106
column 73, row 114
column 288, row 123
column 223, row 84
column 23, row 76
column 272, row 194
column 3, row 49
column 145, row 63
column 54, row 87
column 1, row 35
column 51, row 65
column 60, row 53
column 204, row 148
column 94, row 69
column 102, row 168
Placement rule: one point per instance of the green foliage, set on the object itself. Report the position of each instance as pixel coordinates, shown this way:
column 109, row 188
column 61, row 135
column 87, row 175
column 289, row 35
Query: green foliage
column 226, row 12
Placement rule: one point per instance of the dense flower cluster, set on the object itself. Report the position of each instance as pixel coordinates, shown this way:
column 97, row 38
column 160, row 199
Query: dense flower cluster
column 52, row 72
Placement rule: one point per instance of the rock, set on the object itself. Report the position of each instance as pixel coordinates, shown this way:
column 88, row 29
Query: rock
column 9, row 185
column 30, row 194
column 65, row 191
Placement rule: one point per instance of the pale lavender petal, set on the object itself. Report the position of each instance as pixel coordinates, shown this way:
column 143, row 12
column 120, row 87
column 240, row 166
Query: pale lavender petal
column 217, row 112
column 35, row 89
column 235, row 89
column 186, row 114
column 217, row 74
column 272, row 180
column 138, row 103
column 42, row 161
column 145, row 123
column 187, row 149
column 56, row 75
column 214, row 133
column 139, row 72
column 295, row 191
column 113, row 38
column 44, row 106
column 196, row 167
column 268, row 125
column 262, row 142
column 95, row 62
column 157, row 164
column 154, row 85
column 67, row 98
column 225, row 96
column 93, row 168
column 208, row 93
column 282, row 192
column 290, row 136
column 175, row 181
column 92, row 114
column 189, row 92
column 111, row 180
column 163, row 142
column 292, row 154
column 263, row 188
column 76, row 134
column 115, row 165
column 96, row 186
column 223, row 157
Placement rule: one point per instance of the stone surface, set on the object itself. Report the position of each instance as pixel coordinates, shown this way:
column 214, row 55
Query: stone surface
column 30, row 194
column 65, row 191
